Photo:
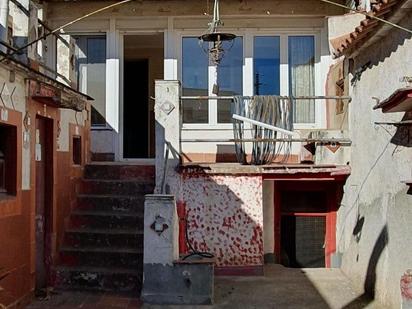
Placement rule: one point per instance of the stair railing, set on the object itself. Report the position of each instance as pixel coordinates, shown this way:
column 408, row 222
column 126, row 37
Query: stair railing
column 165, row 167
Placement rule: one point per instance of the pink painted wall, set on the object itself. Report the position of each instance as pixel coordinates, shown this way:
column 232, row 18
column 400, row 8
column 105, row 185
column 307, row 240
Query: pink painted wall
column 225, row 217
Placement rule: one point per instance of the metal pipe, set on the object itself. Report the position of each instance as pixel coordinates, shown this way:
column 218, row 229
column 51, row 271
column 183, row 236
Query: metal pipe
column 329, row 141
column 166, row 159
column 263, row 125
column 4, row 16
column 332, row 97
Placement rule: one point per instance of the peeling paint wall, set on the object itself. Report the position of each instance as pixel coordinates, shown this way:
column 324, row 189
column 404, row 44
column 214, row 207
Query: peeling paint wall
column 374, row 221
column 225, row 217
column 17, row 212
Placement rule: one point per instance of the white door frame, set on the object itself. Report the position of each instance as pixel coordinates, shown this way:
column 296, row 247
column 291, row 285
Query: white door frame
column 143, row 161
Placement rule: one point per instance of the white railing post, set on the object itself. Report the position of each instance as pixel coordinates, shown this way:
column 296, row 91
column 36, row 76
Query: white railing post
column 167, row 114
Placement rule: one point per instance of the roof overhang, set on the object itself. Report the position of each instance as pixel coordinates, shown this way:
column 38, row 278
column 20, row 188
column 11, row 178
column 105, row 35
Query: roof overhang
column 399, row 101
column 371, row 30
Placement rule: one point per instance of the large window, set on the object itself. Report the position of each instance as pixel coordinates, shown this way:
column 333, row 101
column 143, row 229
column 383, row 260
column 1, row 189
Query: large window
column 91, row 73
column 282, row 65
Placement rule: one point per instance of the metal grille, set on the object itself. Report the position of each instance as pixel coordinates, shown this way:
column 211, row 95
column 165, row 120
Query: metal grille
column 302, row 241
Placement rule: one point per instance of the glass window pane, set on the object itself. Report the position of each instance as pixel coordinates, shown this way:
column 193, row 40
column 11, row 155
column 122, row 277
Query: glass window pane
column 91, row 70
column 302, row 76
column 266, row 65
column 194, row 81
column 230, row 78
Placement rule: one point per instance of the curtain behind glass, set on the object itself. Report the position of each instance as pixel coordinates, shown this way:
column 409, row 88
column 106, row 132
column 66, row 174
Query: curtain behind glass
column 302, row 76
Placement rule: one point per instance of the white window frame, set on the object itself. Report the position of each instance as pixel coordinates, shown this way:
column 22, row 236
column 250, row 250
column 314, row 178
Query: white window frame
column 104, row 34
column 248, row 72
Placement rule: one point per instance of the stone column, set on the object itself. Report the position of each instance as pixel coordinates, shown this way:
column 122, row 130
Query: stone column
column 167, row 114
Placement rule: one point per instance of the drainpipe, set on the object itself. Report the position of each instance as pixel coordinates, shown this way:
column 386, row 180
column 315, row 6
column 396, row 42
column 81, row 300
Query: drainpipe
column 4, row 16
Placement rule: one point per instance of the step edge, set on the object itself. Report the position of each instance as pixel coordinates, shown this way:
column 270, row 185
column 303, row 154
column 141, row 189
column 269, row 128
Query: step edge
column 103, row 231
column 100, row 250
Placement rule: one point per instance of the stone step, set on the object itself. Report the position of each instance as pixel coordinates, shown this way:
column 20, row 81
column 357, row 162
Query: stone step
column 144, row 173
column 105, row 220
column 116, row 187
column 98, row 278
column 124, row 257
column 114, row 203
column 92, row 237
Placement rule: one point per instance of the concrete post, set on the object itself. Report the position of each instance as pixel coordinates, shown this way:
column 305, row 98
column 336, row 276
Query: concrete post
column 166, row 279
column 161, row 230
column 161, row 241
column 167, row 114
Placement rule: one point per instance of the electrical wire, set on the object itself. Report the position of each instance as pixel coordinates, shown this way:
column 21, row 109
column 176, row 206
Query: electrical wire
column 194, row 252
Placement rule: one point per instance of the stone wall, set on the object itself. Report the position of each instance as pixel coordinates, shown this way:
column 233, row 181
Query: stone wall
column 374, row 222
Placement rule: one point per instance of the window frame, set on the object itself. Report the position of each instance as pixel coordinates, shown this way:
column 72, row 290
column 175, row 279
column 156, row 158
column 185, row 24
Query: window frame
column 248, row 72
column 105, row 34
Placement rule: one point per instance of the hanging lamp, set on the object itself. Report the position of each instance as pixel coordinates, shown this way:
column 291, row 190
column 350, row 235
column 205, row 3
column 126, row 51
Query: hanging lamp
column 216, row 38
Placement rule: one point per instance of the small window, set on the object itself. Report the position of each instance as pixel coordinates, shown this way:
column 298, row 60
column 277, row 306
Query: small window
column 77, row 150
column 8, row 159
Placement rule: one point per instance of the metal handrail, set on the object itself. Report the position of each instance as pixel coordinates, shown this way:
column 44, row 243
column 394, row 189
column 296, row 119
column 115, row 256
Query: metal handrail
column 315, row 97
column 321, row 141
column 165, row 166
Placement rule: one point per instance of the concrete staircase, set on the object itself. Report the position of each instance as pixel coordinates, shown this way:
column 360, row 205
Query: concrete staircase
column 103, row 245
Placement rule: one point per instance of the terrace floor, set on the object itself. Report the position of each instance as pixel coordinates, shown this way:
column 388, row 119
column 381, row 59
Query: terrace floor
column 280, row 288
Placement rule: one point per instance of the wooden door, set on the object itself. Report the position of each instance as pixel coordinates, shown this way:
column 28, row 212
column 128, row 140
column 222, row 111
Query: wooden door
column 43, row 186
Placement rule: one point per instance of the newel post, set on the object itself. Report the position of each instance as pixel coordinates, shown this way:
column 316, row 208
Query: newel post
column 168, row 124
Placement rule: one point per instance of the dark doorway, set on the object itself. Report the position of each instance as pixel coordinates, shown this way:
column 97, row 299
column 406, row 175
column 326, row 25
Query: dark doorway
column 135, row 119
column 143, row 64
column 303, row 227
column 44, row 198
column 303, row 241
